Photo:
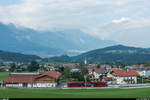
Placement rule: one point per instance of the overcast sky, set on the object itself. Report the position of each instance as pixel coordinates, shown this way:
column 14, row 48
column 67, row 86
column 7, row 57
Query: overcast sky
column 124, row 21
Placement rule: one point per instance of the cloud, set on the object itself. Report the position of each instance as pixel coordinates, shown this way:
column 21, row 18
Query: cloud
column 49, row 14
column 135, row 32
column 123, row 19
column 76, row 51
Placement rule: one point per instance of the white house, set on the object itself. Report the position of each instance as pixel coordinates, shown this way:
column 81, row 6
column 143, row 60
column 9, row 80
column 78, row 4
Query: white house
column 145, row 73
column 94, row 73
column 123, row 76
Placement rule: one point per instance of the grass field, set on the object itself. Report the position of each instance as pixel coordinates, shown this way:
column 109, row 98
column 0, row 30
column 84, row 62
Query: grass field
column 3, row 75
column 75, row 93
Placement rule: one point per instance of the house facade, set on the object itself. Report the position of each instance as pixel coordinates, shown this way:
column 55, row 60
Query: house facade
column 145, row 73
column 94, row 73
column 44, row 80
column 123, row 76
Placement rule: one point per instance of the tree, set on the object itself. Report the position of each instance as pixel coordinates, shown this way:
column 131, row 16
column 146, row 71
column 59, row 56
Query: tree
column 33, row 66
column 79, row 76
column 98, row 66
column 67, row 72
column 61, row 69
column 13, row 67
column 84, row 70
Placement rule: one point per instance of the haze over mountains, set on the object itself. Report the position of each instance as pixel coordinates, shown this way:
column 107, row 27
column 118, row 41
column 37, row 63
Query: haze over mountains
column 115, row 53
column 28, row 41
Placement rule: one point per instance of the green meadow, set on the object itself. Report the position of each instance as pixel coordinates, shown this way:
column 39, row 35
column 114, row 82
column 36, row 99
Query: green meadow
column 3, row 75
column 75, row 93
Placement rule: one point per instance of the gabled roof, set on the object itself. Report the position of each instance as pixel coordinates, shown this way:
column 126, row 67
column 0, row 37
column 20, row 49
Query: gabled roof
column 97, row 70
column 23, row 78
column 53, row 74
column 119, row 72
column 29, row 78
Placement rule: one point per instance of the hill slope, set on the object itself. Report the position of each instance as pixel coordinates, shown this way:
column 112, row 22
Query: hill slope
column 17, row 57
column 114, row 53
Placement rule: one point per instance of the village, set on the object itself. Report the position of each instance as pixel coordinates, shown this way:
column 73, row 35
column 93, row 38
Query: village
column 60, row 75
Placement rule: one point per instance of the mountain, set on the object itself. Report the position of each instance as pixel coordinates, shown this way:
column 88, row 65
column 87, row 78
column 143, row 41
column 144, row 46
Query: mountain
column 17, row 57
column 48, row 43
column 19, row 40
column 118, row 53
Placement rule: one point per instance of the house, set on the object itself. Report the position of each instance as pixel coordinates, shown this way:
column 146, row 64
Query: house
column 92, row 65
column 95, row 73
column 109, row 80
column 49, row 68
column 6, row 68
column 123, row 76
column 131, row 67
column 44, row 80
column 2, row 70
column 74, row 69
column 145, row 72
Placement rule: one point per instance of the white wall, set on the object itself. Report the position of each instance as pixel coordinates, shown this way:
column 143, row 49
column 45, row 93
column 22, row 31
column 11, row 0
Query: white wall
column 14, row 85
column 36, row 85
column 142, row 73
column 120, row 80
column 96, row 75
column 147, row 73
column 45, row 85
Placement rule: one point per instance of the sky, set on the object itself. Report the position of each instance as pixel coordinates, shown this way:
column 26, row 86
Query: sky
column 124, row 21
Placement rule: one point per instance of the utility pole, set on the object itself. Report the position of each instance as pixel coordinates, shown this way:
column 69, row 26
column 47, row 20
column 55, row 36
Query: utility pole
column 142, row 79
column 85, row 80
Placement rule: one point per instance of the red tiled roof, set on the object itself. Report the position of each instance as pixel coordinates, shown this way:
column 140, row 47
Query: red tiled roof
column 53, row 74
column 20, row 78
column 108, row 79
column 119, row 72
column 115, row 69
column 97, row 70
column 29, row 78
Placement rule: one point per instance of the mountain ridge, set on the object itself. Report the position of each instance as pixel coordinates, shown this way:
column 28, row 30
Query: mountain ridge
column 119, row 53
column 47, row 43
column 17, row 57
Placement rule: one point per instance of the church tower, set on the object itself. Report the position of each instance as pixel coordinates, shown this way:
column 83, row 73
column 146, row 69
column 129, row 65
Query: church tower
column 85, row 61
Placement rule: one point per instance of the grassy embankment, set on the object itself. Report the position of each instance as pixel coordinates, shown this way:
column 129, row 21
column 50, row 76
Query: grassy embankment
column 75, row 93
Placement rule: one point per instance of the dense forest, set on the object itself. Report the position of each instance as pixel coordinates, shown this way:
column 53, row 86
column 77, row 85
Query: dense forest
column 118, row 53
column 17, row 57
